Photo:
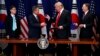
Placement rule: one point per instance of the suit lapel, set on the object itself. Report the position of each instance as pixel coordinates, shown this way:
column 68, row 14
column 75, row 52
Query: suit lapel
column 11, row 20
column 85, row 16
column 34, row 18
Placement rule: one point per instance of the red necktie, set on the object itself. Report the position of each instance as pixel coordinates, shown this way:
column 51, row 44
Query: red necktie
column 57, row 20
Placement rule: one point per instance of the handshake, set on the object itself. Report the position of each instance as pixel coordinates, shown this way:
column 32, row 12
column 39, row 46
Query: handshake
column 43, row 24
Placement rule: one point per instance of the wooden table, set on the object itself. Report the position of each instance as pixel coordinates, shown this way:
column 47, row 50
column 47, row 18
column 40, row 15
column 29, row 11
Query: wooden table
column 57, row 41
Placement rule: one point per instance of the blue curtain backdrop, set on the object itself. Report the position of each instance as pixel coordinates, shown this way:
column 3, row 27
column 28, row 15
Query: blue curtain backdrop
column 48, row 5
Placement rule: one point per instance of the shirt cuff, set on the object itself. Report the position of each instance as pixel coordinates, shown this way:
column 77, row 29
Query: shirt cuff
column 84, row 25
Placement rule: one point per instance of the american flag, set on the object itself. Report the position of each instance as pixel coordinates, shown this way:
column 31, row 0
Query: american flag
column 92, row 10
column 23, row 20
column 92, row 7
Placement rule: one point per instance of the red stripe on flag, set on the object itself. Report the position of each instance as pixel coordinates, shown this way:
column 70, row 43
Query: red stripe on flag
column 24, row 28
column 24, row 33
column 21, row 36
column 25, row 20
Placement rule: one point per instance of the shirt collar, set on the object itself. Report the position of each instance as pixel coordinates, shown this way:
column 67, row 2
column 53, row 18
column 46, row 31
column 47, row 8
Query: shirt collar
column 61, row 10
column 34, row 14
column 86, row 12
column 12, row 15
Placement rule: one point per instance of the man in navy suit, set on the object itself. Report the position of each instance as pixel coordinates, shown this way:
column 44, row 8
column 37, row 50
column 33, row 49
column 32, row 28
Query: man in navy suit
column 12, row 24
column 12, row 28
column 86, row 30
column 34, row 30
column 97, row 49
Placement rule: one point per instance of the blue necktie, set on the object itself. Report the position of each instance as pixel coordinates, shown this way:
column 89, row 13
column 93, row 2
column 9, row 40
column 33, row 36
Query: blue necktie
column 14, row 24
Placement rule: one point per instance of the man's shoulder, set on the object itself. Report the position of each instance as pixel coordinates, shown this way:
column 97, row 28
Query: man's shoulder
column 8, row 16
column 31, row 16
column 66, row 10
column 91, row 14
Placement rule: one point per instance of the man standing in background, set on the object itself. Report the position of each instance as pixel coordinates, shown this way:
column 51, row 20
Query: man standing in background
column 12, row 28
column 86, row 30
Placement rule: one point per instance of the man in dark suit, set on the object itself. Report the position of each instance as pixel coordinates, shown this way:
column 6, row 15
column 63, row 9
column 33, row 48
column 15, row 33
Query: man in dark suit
column 98, row 27
column 12, row 28
column 12, row 24
column 34, row 30
column 97, row 48
column 86, row 30
column 62, row 28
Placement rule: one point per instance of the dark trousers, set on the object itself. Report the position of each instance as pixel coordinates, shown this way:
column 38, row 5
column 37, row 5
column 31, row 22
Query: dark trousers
column 0, row 50
column 63, row 50
column 85, row 50
column 49, row 50
column 97, row 51
column 8, row 51
column 33, row 50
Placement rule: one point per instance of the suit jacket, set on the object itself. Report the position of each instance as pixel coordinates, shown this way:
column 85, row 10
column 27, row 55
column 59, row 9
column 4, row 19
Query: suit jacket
column 88, row 20
column 34, row 27
column 9, row 25
column 64, row 21
column 98, row 25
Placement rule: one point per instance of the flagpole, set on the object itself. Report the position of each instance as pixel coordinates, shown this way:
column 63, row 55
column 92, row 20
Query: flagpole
column 75, row 19
column 43, row 29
